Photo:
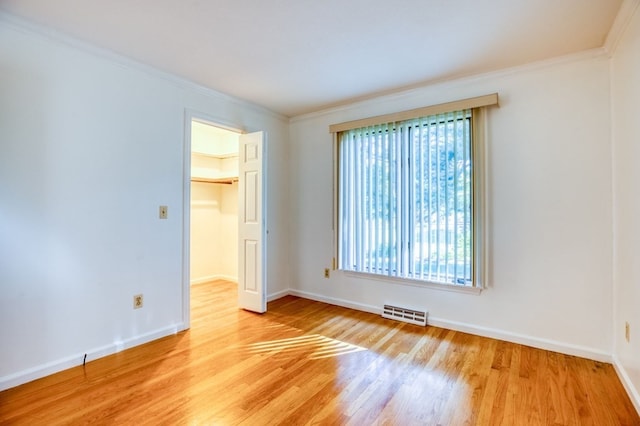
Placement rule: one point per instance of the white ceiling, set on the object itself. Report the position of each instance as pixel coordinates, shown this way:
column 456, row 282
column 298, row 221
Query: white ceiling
column 297, row 56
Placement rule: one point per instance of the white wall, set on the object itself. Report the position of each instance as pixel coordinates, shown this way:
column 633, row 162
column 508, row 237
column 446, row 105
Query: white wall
column 625, row 80
column 549, row 198
column 205, row 209
column 90, row 146
column 214, row 232
column 205, row 218
column 228, row 233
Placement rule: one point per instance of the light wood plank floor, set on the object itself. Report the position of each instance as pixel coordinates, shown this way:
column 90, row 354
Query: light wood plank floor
column 306, row 362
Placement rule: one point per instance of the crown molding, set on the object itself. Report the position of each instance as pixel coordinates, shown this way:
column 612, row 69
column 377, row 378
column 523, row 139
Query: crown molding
column 444, row 84
column 29, row 27
column 620, row 24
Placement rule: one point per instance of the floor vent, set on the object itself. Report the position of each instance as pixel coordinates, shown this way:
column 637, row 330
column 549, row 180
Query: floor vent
column 404, row 314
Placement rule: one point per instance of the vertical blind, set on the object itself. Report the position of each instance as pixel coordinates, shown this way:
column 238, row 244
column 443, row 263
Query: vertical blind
column 405, row 203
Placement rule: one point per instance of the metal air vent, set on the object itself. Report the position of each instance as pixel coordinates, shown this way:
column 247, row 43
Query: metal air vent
column 404, row 314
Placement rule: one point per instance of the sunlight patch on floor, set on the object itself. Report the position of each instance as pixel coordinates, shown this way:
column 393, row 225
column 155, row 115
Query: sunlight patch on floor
column 318, row 346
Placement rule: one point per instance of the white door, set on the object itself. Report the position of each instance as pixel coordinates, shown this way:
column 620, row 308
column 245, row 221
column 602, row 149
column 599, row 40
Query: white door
column 251, row 227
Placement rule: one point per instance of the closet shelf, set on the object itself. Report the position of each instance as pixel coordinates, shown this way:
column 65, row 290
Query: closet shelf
column 233, row 155
column 224, row 180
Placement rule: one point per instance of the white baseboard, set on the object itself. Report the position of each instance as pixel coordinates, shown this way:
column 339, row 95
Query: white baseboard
column 43, row 370
column 337, row 302
column 209, row 278
column 202, row 280
column 550, row 345
column 232, row 278
column 523, row 339
column 633, row 393
column 277, row 295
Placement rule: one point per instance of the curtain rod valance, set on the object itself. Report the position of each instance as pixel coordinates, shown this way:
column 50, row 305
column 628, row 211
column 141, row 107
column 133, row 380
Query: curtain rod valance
column 477, row 102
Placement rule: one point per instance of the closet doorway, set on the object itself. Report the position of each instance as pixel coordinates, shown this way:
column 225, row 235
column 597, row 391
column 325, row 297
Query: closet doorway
column 224, row 211
column 214, row 204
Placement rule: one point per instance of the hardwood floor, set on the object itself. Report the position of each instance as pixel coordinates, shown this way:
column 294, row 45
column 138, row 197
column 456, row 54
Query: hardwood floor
column 305, row 362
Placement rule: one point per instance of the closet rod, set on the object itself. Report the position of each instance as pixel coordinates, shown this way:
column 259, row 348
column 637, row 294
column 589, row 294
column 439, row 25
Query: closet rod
column 226, row 181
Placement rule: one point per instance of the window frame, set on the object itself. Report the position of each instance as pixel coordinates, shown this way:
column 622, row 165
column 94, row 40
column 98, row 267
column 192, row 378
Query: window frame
column 479, row 247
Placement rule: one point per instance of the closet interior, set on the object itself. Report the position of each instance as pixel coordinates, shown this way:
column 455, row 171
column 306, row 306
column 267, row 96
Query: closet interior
column 214, row 203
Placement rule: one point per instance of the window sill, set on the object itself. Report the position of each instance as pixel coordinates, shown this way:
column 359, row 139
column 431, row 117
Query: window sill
column 414, row 283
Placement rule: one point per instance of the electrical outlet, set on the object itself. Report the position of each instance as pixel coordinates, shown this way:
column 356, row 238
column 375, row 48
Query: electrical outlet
column 137, row 301
column 627, row 331
column 326, row 272
column 162, row 212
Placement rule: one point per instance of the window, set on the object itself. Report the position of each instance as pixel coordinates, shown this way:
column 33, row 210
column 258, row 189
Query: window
column 407, row 199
